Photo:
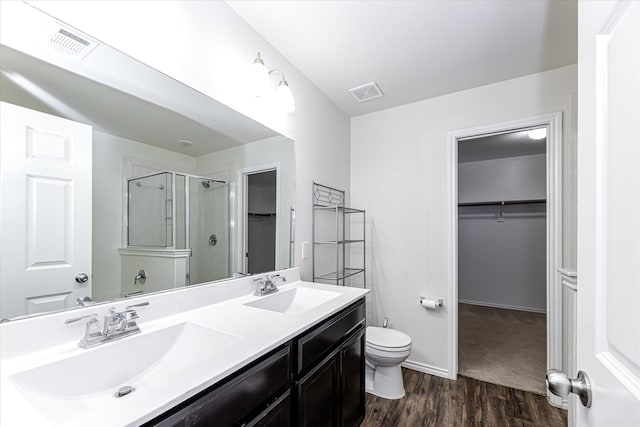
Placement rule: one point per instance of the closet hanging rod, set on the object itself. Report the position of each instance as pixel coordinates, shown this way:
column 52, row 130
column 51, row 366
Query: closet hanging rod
column 505, row 202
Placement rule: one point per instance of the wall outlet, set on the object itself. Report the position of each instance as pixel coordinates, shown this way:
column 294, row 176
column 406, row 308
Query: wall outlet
column 305, row 250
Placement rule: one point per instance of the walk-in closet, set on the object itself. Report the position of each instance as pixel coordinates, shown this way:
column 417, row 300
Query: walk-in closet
column 502, row 258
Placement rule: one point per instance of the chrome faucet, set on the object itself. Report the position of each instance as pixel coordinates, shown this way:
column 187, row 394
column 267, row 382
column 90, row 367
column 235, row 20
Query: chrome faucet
column 265, row 285
column 116, row 325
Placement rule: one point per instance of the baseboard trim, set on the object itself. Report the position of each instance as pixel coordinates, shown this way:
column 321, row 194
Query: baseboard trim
column 509, row 307
column 424, row 368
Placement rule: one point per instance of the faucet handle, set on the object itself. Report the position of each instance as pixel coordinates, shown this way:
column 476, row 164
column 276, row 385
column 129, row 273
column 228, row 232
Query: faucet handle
column 75, row 319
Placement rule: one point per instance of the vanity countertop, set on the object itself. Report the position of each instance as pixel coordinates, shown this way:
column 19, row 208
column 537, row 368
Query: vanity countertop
column 253, row 332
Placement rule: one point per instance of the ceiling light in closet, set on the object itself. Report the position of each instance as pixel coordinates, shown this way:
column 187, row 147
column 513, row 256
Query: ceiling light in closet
column 537, row 134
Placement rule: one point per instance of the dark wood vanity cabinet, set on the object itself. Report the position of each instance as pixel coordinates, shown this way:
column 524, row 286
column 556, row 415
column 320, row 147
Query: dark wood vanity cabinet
column 352, row 379
column 241, row 399
column 315, row 380
column 329, row 380
column 318, row 394
column 277, row 414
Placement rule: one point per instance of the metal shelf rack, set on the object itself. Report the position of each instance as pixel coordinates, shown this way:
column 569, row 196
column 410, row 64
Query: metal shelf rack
column 332, row 224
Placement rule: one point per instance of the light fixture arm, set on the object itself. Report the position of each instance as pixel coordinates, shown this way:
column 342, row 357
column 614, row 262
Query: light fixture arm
column 282, row 79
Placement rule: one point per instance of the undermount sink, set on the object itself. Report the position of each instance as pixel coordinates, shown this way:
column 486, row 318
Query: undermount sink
column 106, row 368
column 294, row 301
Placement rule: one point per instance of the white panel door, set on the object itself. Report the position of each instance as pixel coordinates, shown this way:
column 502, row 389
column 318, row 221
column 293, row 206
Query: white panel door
column 45, row 225
column 608, row 307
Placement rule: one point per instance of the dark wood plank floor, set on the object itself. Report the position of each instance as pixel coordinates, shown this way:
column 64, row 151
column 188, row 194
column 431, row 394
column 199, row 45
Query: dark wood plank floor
column 435, row 401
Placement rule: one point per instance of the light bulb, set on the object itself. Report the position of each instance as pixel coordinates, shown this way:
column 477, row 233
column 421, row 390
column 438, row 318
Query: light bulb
column 260, row 77
column 284, row 98
column 537, row 133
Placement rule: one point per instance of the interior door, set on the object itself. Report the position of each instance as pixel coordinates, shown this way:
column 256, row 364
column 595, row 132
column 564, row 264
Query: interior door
column 609, row 211
column 45, row 228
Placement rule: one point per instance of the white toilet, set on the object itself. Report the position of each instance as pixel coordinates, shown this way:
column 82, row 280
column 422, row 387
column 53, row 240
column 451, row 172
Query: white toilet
column 385, row 350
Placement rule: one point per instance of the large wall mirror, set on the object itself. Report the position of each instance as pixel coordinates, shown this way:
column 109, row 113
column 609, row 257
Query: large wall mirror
column 117, row 180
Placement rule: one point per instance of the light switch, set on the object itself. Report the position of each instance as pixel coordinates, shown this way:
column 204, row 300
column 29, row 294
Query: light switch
column 305, row 250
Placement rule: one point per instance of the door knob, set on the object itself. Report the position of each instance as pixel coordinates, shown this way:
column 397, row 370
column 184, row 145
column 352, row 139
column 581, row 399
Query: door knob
column 561, row 385
column 82, row 278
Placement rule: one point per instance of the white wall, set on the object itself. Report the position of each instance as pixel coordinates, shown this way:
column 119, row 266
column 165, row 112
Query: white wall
column 209, row 47
column 229, row 163
column 502, row 263
column 511, row 178
column 109, row 154
column 399, row 173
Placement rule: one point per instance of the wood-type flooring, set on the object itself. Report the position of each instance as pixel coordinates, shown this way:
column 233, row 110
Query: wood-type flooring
column 435, row 401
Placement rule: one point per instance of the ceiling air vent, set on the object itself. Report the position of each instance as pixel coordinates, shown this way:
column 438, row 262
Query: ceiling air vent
column 366, row 92
column 66, row 41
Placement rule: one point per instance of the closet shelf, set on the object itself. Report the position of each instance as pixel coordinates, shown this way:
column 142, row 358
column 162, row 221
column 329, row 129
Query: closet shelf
column 340, row 275
column 504, row 202
column 338, row 242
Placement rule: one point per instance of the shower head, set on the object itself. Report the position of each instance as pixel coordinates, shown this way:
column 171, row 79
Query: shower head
column 206, row 183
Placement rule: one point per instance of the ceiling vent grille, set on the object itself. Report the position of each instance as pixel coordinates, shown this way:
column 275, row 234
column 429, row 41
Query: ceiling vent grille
column 366, row 92
column 72, row 44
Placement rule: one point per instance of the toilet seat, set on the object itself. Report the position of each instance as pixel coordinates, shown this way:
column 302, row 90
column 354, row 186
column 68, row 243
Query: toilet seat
column 385, row 339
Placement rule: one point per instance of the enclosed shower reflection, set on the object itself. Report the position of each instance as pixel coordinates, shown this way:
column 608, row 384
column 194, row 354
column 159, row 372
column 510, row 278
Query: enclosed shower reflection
column 181, row 217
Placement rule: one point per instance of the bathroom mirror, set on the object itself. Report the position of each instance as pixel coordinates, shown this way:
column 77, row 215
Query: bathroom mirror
column 119, row 181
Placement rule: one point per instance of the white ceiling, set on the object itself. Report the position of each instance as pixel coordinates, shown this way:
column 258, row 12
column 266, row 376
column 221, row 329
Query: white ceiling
column 414, row 49
column 107, row 110
column 111, row 91
column 499, row 146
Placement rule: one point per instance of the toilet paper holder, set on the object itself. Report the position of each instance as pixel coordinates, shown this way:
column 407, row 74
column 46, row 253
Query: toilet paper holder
column 438, row 303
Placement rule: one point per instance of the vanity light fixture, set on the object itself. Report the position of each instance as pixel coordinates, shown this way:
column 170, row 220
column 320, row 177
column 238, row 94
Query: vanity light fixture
column 262, row 86
column 537, row 134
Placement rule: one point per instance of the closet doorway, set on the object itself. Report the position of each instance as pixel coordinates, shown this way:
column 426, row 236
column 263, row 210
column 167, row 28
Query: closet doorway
column 501, row 259
column 507, row 313
column 260, row 221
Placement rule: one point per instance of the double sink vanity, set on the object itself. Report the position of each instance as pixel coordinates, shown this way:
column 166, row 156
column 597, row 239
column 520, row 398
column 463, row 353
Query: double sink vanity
column 166, row 198
column 211, row 355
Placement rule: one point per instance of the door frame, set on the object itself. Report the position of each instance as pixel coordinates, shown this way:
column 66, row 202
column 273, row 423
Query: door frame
column 553, row 122
column 242, row 236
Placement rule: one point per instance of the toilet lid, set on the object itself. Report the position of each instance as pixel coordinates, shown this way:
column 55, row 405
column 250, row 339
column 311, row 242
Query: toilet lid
column 387, row 338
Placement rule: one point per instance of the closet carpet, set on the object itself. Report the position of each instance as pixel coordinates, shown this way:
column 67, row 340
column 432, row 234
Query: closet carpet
column 505, row 347
column 439, row 402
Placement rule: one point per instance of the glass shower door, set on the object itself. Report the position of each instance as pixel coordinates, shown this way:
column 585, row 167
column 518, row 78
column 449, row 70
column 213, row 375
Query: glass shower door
column 150, row 211
column 208, row 230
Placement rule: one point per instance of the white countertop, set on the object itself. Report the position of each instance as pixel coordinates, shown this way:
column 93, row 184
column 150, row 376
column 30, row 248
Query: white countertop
column 259, row 331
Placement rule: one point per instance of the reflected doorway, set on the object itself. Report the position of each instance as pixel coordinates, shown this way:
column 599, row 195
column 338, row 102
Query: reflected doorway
column 261, row 221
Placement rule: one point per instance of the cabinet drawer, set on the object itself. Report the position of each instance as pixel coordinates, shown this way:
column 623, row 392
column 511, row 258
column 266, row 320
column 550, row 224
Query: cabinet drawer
column 314, row 345
column 238, row 398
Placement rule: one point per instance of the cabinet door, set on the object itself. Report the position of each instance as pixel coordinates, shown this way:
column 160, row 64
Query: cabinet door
column 277, row 414
column 318, row 394
column 352, row 377
column 315, row 344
